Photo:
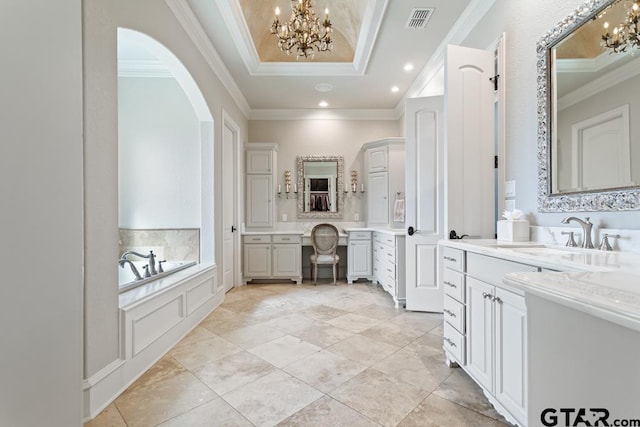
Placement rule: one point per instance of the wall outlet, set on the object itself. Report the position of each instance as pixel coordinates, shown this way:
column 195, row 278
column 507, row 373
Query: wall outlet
column 284, row 217
column 510, row 189
column 356, row 217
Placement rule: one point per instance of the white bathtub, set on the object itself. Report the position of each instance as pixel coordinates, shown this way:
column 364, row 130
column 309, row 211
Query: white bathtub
column 127, row 280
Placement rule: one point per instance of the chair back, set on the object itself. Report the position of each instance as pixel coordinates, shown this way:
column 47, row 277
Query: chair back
column 324, row 238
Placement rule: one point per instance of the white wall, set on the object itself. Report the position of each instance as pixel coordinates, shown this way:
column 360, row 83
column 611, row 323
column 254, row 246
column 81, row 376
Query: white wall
column 159, row 155
column 101, row 20
column 524, row 24
column 322, row 137
column 41, row 216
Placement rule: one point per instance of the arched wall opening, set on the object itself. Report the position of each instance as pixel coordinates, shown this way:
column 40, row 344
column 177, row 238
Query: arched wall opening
column 165, row 155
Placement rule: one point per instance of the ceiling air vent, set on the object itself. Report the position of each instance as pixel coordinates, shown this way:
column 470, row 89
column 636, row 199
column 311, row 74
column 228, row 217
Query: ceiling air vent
column 419, row 18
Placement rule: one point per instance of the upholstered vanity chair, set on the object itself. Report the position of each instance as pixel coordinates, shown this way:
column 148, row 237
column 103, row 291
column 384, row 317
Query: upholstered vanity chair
column 324, row 238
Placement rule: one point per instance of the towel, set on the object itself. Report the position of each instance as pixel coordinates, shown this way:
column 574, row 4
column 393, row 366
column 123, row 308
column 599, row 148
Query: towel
column 398, row 210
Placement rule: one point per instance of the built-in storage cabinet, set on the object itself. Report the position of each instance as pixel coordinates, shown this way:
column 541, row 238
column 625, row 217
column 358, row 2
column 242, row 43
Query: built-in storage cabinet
column 259, row 184
column 260, row 159
column 359, row 260
column 388, row 264
column 385, row 177
column 377, row 159
column 274, row 256
column 485, row 328
column 259, row 200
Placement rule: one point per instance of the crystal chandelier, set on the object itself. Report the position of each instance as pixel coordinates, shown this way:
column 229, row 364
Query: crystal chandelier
column 303, row 32
column 626, row 34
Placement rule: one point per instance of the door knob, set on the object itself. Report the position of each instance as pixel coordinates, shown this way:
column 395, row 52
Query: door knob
column 411, row 231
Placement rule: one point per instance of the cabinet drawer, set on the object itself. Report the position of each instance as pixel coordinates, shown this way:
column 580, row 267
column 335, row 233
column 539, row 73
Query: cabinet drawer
column 257, row 239
column 454, row 343
column 453, row 313
column 286, row 238
column 453, row 258
column 359, row 235
column 492, row 270
column 453, row 284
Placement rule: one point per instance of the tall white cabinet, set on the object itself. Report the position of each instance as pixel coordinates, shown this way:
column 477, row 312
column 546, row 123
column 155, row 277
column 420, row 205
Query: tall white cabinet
column 385, row 176
column 260, row 167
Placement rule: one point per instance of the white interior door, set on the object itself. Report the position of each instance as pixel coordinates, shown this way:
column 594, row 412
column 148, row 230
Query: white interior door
column 424, row 201
column 470, row 130
column 230, row 144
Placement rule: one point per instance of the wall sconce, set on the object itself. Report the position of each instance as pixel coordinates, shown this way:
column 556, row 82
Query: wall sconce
column 287, row 185
column 354, row 183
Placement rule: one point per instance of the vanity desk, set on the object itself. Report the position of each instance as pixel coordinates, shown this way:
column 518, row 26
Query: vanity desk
column 373, row 254
column 540, row 326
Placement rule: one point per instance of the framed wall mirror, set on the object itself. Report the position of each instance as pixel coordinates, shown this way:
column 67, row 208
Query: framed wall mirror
column 319, row 184
column 589, row 110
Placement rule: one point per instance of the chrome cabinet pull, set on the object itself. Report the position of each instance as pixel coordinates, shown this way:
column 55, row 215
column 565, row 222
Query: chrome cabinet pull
column 451, row 343
column 448, row 258
column 450, row 284
column 496, row 299
column 449, row 312
column 486, row 295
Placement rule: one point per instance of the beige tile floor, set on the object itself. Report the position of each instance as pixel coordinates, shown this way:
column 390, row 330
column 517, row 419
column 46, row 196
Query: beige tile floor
column 286, row 355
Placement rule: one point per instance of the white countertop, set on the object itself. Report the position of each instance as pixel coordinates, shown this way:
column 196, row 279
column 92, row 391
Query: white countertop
column 604, row 284
column 392, row 231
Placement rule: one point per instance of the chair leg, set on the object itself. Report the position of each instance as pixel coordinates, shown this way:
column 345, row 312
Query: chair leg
column 335, row 266
column 315, row 274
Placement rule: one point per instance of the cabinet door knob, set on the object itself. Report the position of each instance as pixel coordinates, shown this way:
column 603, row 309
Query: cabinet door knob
column 496, row 299
column 486, row 295
column 449, row 312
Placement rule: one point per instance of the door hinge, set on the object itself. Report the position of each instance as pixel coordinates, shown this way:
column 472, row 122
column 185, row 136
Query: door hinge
column 494, row 79
column 495, row 162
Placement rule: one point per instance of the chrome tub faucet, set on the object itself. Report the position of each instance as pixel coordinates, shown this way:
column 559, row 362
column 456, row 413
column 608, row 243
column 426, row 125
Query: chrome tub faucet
column 151, row 257
column 586, row 229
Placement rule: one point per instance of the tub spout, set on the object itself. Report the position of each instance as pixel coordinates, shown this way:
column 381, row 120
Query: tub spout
column 151, row 257
column 123, row 261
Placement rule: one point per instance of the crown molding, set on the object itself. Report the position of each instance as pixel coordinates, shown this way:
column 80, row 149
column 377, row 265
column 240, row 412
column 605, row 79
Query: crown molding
column 185, row 16
column 604, row 82
column 241, row 36
column 471, row 16
column 588, row 65
column 143, row 68
column 337, row 114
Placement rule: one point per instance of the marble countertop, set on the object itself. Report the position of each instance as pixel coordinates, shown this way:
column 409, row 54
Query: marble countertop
column 603, row 284
column 269, row 233
column 392, row 231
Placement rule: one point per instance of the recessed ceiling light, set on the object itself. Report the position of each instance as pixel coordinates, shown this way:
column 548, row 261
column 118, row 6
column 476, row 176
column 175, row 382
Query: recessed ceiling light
column 408, row 67
column 323, row 104
column 324, row 87
column 395, row 89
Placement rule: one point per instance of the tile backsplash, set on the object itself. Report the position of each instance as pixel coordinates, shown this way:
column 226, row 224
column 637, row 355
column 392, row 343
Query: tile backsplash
column 173, row 244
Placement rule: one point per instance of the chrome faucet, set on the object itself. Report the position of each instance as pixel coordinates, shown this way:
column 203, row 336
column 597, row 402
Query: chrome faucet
column 586, row 229
column 151, row 257
column 124, row 261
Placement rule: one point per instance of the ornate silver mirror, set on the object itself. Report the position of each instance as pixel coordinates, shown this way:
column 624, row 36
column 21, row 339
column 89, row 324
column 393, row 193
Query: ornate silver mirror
column 319, row 184
column 588, row 110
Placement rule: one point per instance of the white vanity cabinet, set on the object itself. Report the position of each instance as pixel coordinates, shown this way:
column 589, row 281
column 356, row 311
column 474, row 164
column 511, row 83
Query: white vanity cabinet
column 388, row 264
column 359, row 258
column 385, row 179
column 272, row 256
column 260, row 166
column 485, row 329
